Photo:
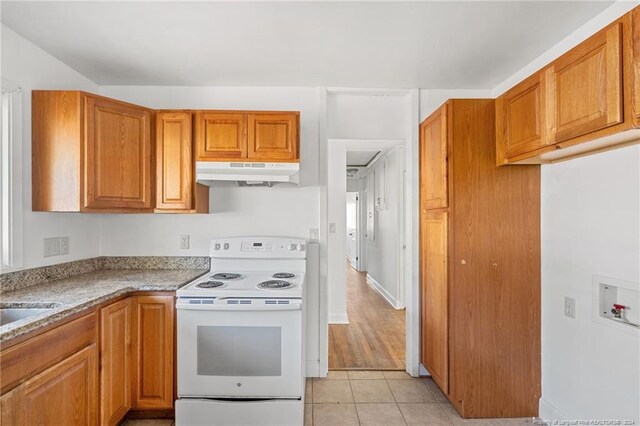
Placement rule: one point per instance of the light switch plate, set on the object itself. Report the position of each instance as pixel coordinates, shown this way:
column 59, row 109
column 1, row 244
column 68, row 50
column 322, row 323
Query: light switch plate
column 570, row 307
column 332, row 228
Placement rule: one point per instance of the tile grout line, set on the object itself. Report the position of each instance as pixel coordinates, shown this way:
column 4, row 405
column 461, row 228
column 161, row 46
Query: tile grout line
column 355, row 406
column 395, row 400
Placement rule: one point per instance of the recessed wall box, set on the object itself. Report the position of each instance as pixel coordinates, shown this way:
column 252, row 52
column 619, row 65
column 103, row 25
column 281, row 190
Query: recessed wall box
column 616, row 303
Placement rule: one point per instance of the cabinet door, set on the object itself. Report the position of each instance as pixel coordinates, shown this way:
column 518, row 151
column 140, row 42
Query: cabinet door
column 371, row 207
column 221, row 136
column 115, row 362
column 64, row 394
column 174, row 163
column 433, row 160
column 117, row 168
column 380, row 179
column 521, row 123
column 587, row 85
column 153, row 322
column 273, row 137
column 636, row 61
column 434, row 296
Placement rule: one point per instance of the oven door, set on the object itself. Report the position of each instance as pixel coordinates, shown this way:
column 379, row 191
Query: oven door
column 239, row 351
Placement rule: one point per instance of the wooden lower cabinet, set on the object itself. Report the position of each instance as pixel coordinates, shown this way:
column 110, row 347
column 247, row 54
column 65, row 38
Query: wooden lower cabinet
column 480, row 275
column 64, row 394
column 115, row 362
column 153, row 352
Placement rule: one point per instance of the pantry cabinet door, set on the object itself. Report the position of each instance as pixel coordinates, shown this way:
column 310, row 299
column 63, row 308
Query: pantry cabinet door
column 521, row 124
column 434, row 160
column 434, row 296
column 636, row 61
column 115, row 362
column 273, row 136
column 221, row 136
column 117, row 156
column 587, row 83
column 153, row 352
column 174, row 161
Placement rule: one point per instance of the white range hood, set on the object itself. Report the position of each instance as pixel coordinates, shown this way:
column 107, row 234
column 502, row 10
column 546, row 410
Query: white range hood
column 247, row 173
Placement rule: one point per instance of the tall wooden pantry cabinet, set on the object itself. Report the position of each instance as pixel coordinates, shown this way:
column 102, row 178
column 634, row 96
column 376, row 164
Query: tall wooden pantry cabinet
column 480, row 265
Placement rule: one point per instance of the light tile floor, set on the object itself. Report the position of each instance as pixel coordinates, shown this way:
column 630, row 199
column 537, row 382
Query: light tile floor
column 384, row 398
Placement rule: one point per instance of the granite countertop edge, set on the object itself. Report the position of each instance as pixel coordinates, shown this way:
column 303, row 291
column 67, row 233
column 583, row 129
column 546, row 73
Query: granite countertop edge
column 81, row 292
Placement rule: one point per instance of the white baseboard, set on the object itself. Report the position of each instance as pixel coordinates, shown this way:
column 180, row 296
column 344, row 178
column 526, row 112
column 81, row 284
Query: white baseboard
column 548, row 411
column 383, row 291
column 338, row 319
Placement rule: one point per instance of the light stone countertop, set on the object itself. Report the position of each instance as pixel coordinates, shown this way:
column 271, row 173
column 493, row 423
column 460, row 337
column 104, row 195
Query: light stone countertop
column 80, row 292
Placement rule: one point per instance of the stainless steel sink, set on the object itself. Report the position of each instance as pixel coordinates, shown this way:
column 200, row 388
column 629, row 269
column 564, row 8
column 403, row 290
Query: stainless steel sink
column 14, row 313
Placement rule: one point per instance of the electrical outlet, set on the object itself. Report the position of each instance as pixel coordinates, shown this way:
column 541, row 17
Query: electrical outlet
column 184, row 242
column 569, row 307
column 313, row 234
column 64, row 245
column 332, row 228
column 51, row 247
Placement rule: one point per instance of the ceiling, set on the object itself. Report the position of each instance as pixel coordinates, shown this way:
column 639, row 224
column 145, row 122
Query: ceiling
column 360, row 158
column 476, row 44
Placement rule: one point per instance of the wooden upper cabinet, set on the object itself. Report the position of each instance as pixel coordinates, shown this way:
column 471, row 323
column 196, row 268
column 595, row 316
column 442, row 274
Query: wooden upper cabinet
column 521, row 122
column 153, row 352
column 273, row 136
column 176, row 189
column 433, row 160
column 221, row 136
column 117, row 155
column 636, row 62
column 115, row 362
column 587, row 81
column 434, row 297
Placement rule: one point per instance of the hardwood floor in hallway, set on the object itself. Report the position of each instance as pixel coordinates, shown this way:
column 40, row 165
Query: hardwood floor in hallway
column 375, row 335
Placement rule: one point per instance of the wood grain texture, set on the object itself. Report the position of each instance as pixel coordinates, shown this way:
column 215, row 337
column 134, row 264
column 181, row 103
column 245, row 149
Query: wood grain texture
column 588, row 85
column 635, row 19
column 174, row 161
column 375, row 335
column 433, row 160
column 56, row 144
column 521, row 117
column 591, row 95
column 23, row 360
column 220, row 136
column 494, row 292
column 153, row 352
column 434, row 298
column 273, row 136
column 115, row 362
column 117, row 155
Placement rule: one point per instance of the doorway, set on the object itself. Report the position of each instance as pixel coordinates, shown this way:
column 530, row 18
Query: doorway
column 373, row 337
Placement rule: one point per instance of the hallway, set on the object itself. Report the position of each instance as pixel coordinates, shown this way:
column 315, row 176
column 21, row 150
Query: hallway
column 375, row 335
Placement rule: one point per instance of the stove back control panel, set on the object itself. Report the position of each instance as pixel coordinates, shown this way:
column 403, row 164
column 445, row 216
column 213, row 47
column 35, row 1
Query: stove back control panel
column 261, row 247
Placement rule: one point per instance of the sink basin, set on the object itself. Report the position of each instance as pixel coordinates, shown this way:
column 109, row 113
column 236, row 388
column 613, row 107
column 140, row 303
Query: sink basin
column 11, row 314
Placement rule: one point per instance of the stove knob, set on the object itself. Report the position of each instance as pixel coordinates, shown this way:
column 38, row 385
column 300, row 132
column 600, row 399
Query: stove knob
column 300, row 247
column 226, row 246
column 217, row 246
column 292, row 246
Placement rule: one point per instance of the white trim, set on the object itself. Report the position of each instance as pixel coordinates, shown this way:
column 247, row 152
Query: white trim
column 548, row 411
column 384, row 292
column 338, row 318
column 13, row 180
column 324, row 236
column 368, row 92
column 313, row 369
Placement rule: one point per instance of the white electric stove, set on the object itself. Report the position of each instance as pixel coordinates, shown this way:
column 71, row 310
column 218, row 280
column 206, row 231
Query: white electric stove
column 240, row 339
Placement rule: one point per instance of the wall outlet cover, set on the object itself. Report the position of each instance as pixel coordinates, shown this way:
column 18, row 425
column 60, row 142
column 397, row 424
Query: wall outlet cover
column 64, row 245
column 184, row 242
column 51, row 247
column 570, row 307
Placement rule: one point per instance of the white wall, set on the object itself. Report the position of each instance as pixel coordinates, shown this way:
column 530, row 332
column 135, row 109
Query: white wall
column 590, row 226
column 381, row 255
column 281, row 210
column 31, row 68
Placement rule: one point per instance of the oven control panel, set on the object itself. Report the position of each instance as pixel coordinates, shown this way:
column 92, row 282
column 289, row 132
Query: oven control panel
column 259, row 247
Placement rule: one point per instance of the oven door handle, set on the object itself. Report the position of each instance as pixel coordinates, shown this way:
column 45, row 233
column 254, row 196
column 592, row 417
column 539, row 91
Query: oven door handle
column 185, row 305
